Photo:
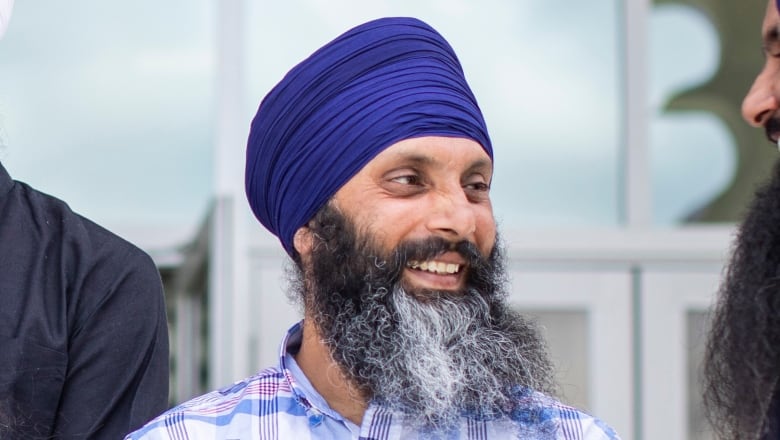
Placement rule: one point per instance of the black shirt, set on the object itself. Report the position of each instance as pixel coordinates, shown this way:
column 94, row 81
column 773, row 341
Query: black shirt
column 773, row 417
column 83, row 332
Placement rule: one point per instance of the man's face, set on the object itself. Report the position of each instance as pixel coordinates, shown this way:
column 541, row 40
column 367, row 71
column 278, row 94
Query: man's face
column 422, row 188
column 404, row 280
column 760, row 106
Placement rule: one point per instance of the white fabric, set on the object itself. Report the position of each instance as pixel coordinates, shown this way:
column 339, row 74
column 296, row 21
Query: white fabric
column 5, row 14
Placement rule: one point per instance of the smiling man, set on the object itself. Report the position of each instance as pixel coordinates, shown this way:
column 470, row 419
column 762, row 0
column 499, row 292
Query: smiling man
column 372, row 163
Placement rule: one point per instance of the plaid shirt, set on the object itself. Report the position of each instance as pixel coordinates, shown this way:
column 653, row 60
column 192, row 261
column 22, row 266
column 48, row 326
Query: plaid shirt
column 279, row 403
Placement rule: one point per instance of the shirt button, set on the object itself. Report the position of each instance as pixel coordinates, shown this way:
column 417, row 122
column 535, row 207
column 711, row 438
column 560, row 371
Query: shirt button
column 315, row 419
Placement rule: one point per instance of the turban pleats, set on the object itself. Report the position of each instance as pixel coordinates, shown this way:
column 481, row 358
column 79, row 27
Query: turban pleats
column 377, row 84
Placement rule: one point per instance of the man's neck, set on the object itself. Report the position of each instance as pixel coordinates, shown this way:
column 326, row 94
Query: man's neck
column 327, row 377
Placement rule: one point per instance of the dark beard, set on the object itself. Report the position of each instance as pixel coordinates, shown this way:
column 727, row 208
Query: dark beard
column 742, row 361
column 432, row 355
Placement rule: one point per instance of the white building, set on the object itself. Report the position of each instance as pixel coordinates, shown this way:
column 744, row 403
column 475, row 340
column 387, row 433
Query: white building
column 137, row 114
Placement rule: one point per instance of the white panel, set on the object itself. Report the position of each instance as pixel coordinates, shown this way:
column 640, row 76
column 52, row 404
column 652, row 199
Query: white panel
column 220, row 291
column 666, row 299
column 566, row 334
column 636, row 175
column 228, row 290
column 606, row 297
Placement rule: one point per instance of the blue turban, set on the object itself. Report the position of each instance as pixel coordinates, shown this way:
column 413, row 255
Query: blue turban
column 377, row 84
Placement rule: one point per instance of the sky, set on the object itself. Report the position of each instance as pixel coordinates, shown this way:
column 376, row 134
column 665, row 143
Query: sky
column 111, row 105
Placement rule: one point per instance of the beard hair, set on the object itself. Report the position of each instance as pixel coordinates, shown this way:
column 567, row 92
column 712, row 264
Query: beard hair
column 742, row 359
column 434, row 356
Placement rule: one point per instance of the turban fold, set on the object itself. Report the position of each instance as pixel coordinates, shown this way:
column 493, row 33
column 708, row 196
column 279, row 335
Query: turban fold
column 377, row 84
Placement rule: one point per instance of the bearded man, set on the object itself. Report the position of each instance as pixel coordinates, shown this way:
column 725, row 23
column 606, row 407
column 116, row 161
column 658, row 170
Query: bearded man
column 742, row 362
column 371, row 162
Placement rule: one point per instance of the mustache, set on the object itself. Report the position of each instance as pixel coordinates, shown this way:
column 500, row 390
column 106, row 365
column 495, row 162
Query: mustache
column 481, row 270
column 430, row 248
column 772, row 128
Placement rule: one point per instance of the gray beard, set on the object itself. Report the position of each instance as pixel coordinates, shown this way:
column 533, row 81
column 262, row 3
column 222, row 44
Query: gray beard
column 442, row 358
column 434, row 356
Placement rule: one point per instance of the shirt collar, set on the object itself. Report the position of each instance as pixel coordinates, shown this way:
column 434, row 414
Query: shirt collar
column 290, row 344
column 299, row 384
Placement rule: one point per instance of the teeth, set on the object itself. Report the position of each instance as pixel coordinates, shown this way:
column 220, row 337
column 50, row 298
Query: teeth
column 435, row 266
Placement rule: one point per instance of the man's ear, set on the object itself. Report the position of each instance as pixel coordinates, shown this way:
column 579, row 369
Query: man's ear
column 303, row 242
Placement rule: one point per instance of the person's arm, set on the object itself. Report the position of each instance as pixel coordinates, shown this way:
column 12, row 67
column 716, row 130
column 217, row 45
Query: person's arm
column 772, row 421
column 117, row 375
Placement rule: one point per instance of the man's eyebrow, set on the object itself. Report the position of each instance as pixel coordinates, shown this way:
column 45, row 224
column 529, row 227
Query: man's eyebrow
column 423, row 160
column 771, row 39
column 479, row 165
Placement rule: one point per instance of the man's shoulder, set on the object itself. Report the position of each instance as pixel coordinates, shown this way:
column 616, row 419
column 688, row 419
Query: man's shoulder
column 226, row 409
column 89, row 266
column 49, row 217
column 267, row 384
column 568, row 422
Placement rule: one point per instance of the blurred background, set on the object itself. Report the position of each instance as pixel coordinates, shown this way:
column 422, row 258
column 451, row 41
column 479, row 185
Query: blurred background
column 622, row 165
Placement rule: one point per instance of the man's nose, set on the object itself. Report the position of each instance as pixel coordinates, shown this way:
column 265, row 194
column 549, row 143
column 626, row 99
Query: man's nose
column 761, row 101
column 452, row 216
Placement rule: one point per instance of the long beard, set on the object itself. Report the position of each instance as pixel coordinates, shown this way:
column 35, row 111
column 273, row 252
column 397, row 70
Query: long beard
column 742, row 362
column 434, row 356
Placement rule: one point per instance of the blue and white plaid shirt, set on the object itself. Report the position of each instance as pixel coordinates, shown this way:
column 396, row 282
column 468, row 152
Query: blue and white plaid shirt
column 280, row 403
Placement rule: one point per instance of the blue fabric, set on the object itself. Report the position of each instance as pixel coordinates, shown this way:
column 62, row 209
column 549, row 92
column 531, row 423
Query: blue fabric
column 273, row 404
column 379, row 83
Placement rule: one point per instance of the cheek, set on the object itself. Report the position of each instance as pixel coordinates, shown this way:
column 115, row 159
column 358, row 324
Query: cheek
column 396, row 222
column 486, row 232
column 388, row 223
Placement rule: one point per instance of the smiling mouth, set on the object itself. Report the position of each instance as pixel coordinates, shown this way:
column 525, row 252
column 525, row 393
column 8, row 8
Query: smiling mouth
column 432, row 266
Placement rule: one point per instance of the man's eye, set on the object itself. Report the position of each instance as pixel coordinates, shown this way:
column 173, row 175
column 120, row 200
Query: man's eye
column 478, row 186
column 771, row 42
column 410, row 179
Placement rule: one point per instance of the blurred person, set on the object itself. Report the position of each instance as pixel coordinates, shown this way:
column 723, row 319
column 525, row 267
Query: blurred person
column 83, row 330
column 742, row 360
column 371, row 162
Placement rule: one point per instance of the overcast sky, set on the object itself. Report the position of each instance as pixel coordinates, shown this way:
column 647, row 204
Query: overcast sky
column 110, row 105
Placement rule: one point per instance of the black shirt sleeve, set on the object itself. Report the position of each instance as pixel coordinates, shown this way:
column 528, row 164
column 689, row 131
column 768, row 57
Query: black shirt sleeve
column 117, row 375
column 772, row 428
column 83, row 328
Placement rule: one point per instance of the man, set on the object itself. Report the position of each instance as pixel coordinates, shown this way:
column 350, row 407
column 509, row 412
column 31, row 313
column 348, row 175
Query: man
column 371, row 162
column 83, row 331
column 742, row 362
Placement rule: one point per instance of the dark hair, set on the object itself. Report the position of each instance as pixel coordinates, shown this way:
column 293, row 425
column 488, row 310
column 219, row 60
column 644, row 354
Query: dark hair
column 742, row 359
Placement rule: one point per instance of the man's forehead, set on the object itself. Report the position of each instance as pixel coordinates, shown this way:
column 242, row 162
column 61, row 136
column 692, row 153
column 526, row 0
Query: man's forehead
column 436, row 151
